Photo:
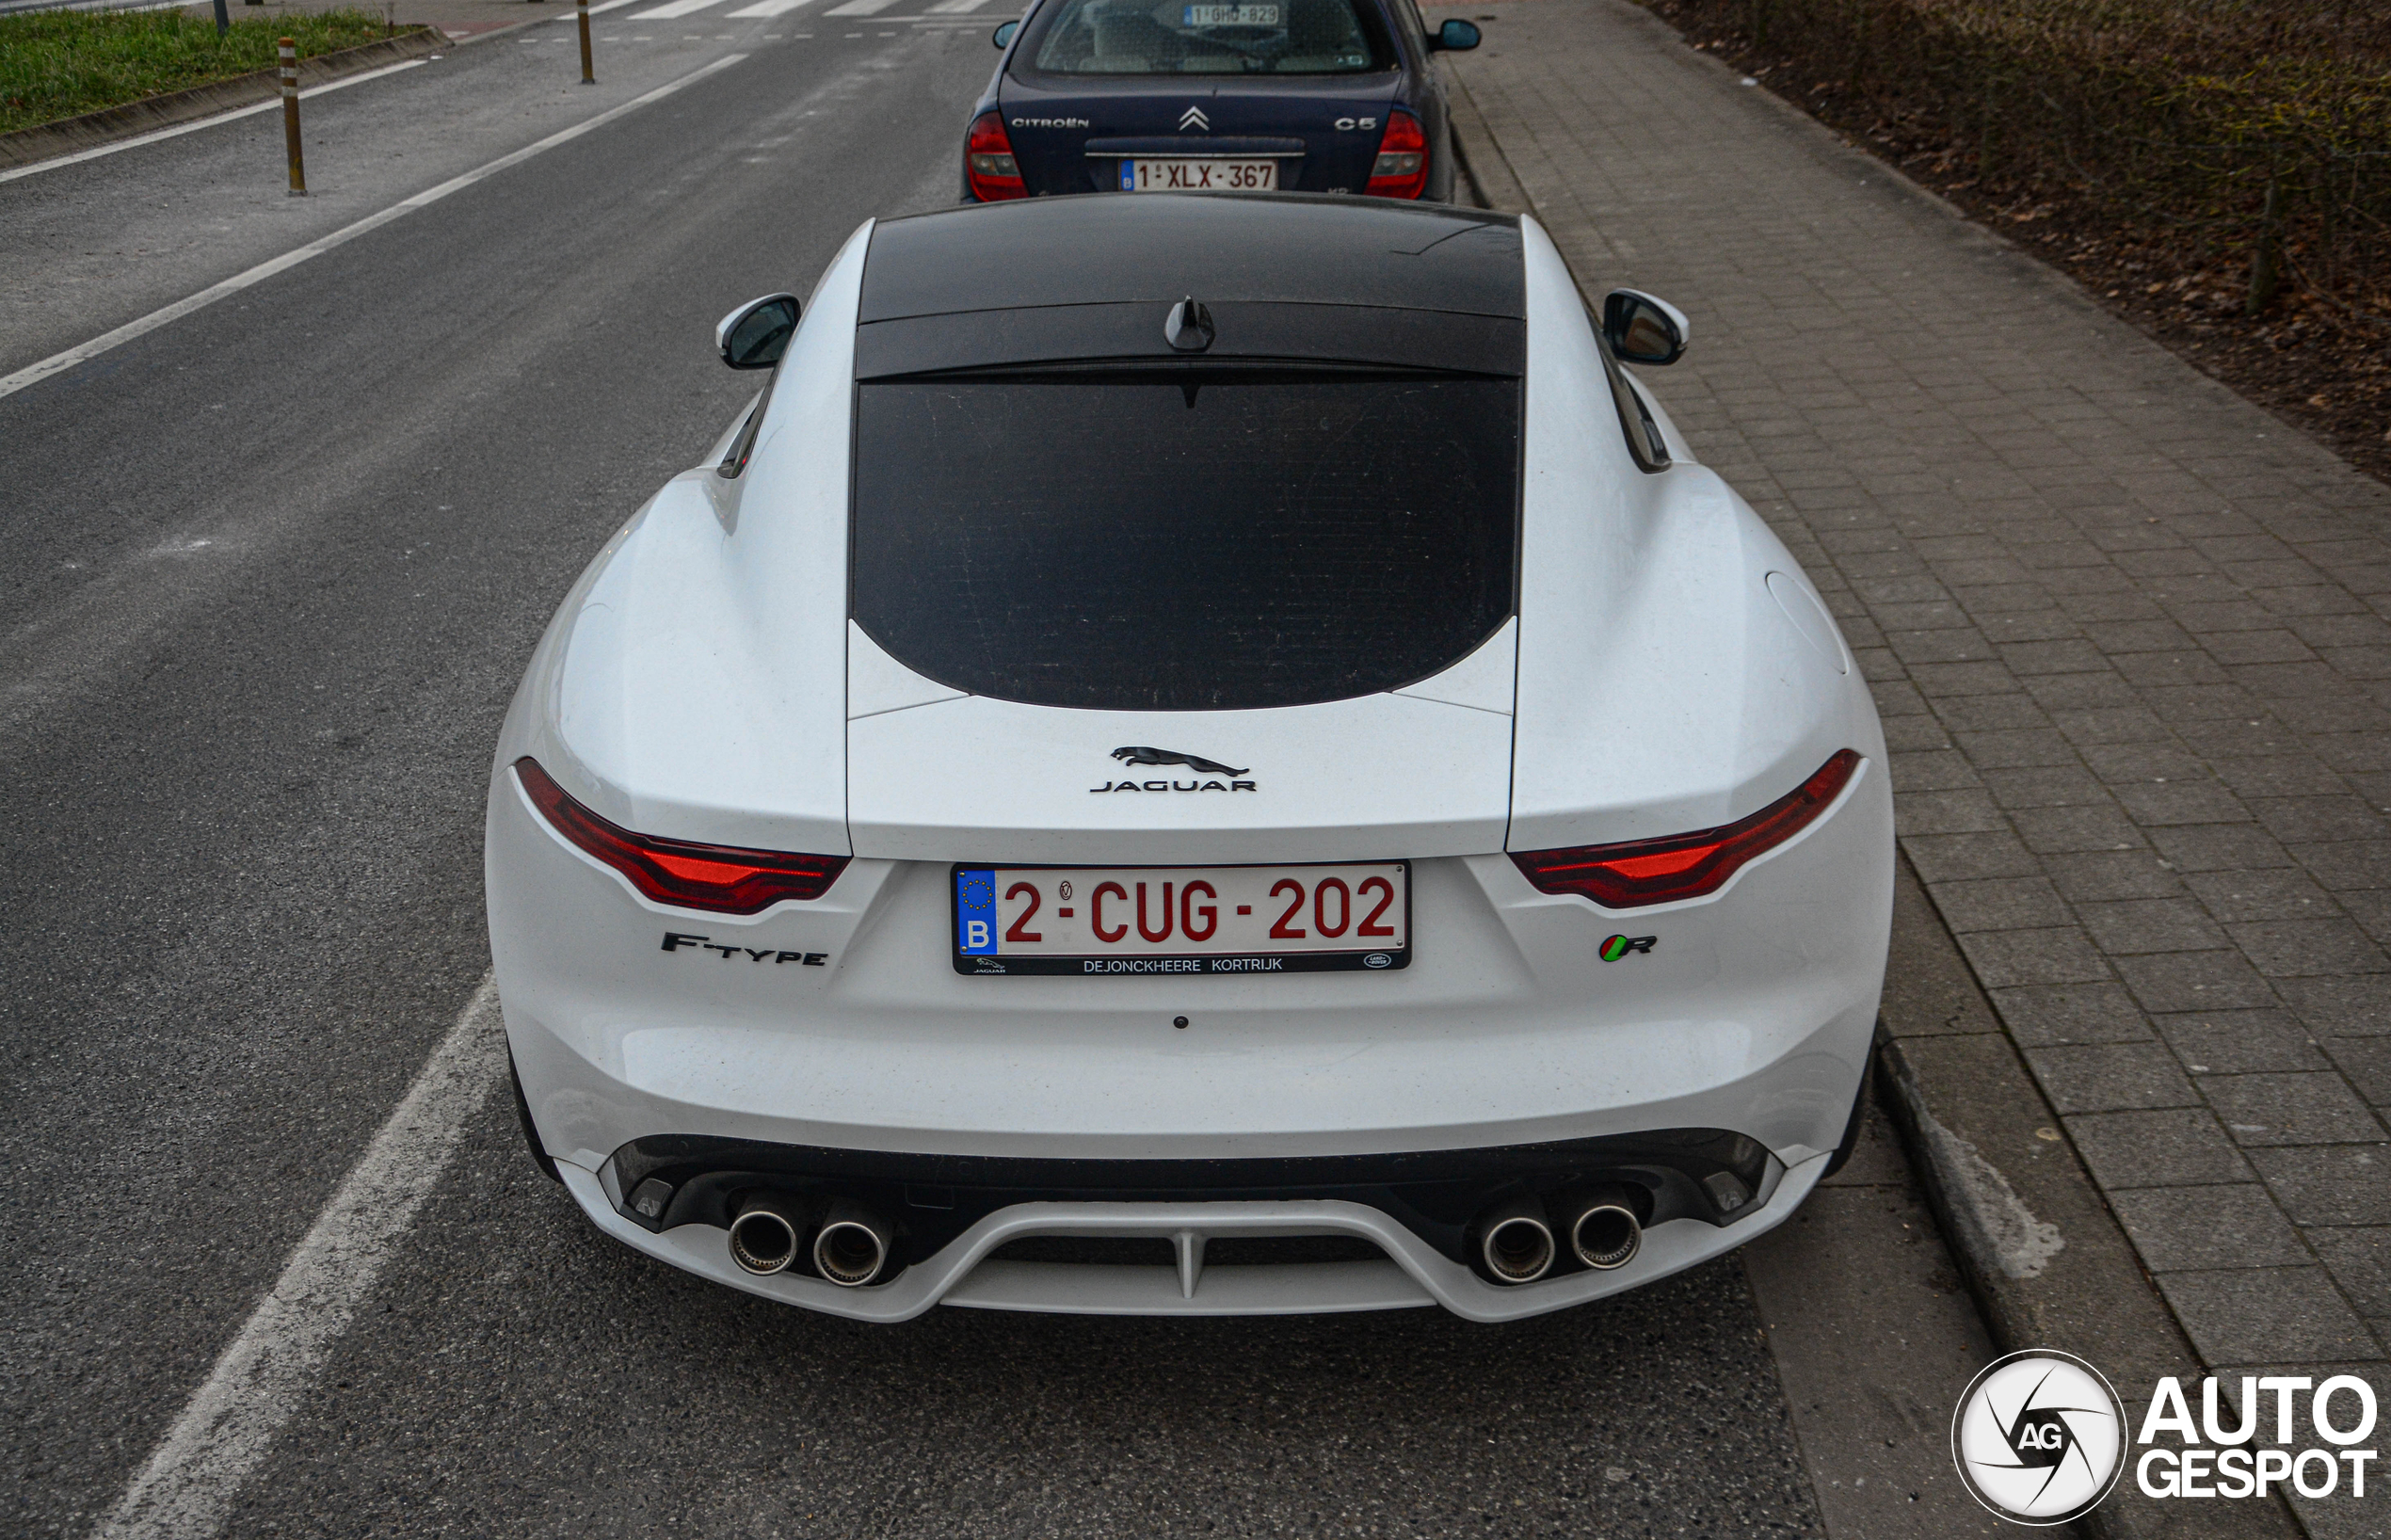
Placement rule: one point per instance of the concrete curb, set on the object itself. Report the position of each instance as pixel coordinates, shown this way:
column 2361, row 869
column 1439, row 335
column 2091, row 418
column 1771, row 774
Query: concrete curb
column 69, row 134
column 2042, row 1253
column 1485, row 176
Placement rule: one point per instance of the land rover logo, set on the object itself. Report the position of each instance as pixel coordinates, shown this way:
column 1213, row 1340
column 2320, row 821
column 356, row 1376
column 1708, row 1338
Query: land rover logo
column 1378, row 959
column 2039, row 1437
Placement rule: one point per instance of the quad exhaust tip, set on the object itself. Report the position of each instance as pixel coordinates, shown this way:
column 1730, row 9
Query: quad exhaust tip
column 1601, row 1226
column 1520, row 1238
column 852, row 1248
column 763, row 1236
column 1515, row 1241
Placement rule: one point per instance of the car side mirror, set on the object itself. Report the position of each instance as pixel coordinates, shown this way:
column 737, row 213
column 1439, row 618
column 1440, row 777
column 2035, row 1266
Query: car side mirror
column 1004, row 34
column 1643, row 329
column 1456, row 36
column 757, row 333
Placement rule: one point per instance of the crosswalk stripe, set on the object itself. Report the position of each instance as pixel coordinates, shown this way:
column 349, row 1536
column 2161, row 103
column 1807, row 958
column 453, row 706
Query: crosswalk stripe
column 675, row 7
column 860, row 8
column 767, row 8
column 956, row 7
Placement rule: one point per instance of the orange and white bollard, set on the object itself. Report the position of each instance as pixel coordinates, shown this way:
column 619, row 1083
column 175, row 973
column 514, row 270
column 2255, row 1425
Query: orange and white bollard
column 587, row 77
column 290, row 117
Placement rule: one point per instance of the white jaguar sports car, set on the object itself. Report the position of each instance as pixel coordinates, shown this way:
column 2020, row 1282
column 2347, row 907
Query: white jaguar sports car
column 1195, row 754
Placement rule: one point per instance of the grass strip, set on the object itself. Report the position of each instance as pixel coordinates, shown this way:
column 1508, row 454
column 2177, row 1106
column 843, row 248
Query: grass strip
column 61, row 64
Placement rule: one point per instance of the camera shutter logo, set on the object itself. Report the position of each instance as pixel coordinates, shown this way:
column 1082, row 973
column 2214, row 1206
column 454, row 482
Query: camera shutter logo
column 2039, row 1437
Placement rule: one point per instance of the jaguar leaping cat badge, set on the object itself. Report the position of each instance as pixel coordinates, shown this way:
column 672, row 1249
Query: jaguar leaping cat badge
column 1168, row 756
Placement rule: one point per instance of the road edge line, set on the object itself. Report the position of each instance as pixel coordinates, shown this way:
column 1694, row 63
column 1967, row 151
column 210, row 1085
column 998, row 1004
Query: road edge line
column 60, row 363
column 154, row 135
column 61, row 140
column 190, row 1480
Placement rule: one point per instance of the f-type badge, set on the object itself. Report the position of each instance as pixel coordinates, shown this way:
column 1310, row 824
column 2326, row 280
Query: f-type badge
column 1135, row 754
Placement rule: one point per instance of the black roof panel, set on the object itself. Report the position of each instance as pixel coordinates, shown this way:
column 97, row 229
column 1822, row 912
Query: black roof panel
column 1157, row 247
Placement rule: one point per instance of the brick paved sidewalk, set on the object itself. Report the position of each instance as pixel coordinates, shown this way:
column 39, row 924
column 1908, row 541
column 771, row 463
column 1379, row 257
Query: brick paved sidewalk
column 2126, row 631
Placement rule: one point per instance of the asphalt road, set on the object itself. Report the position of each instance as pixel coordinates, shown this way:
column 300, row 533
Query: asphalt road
column 270, row 575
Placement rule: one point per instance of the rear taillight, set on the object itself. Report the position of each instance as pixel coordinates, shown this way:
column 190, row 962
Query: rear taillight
column 988, row 164
column 1641, row 872
column 1402, row 167
column 682, row 873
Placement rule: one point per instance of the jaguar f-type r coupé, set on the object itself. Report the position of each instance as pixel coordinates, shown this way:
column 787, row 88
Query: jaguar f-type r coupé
column 1201, row 754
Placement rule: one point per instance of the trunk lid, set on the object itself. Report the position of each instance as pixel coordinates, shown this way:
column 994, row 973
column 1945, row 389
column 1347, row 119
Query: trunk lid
column 935, row 774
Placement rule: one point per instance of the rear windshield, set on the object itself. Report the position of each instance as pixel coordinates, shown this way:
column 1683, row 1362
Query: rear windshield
column 1186, row 36
column 1188, row 541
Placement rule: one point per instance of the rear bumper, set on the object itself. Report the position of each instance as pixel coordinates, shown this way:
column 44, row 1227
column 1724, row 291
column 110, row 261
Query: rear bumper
column 1412, row 1273
column 839, row 1028
column 1753, row 1014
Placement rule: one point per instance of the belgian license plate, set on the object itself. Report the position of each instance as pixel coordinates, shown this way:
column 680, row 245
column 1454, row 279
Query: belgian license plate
column 1199, row 176
column 1095, row 920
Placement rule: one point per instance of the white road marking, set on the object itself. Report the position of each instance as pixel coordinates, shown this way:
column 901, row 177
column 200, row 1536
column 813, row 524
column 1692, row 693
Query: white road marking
column 226, row 1427
column 60, row 363
column 672, row 8
column 272, row 103
column 956, row 7
column 767, row 8
column 859, row 7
